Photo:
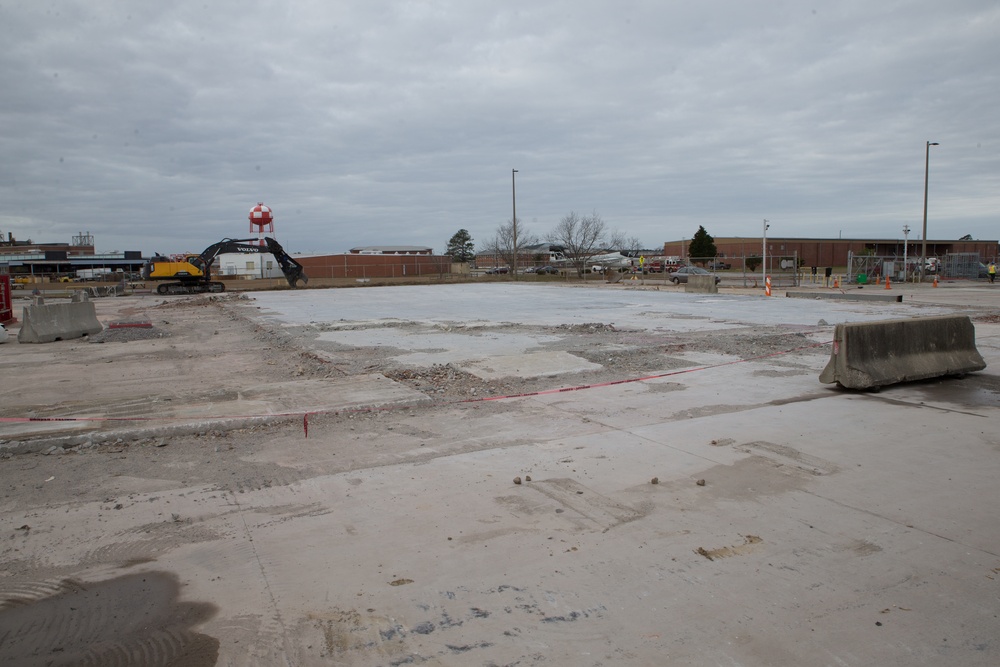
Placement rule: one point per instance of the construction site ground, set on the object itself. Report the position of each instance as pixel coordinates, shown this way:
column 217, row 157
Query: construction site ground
column 495, row 474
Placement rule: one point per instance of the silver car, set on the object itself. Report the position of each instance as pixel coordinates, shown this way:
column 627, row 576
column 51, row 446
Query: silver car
column 681, row 275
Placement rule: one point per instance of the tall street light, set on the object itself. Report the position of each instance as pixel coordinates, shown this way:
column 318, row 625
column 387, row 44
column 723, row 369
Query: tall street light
column 763, row 255
column 923, row 242
column 906, row 239
column 513, row 203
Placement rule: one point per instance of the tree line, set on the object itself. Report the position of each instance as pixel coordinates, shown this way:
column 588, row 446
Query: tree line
column 581, row 236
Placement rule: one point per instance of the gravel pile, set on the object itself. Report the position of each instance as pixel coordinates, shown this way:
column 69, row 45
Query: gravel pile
column 126, row 334
column 447, row 381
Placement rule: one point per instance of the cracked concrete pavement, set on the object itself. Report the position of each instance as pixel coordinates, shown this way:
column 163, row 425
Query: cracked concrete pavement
column 327, row 477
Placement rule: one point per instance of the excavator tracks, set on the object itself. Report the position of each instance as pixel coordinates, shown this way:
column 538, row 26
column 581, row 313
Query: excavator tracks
column 190, row 288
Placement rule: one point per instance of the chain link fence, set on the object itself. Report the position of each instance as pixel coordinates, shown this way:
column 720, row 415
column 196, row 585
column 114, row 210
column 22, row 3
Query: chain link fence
column 751, row 271
column 863, row 269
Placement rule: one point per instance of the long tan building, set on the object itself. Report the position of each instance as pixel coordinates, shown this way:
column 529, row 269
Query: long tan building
column 834, row 252
column 383, row 265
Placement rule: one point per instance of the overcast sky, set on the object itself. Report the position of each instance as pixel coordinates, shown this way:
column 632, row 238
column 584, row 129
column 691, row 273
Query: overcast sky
column 156, row 126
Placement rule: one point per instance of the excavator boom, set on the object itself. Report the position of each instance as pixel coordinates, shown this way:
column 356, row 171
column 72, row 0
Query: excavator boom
column 194, row 275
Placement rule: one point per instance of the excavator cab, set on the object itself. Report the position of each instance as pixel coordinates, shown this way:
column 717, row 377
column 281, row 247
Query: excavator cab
column 164, row 268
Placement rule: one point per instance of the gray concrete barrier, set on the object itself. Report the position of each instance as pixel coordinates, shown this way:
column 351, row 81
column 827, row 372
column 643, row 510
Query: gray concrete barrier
column 866, row 355
column 848, row 296
column 45, row 323
column 701, row 284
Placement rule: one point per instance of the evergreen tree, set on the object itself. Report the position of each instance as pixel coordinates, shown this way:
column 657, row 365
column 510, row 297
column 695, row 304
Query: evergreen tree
column 702, row 245
column 460, row 247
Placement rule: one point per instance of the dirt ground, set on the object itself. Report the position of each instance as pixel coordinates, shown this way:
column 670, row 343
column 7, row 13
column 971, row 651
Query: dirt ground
column 126, row 502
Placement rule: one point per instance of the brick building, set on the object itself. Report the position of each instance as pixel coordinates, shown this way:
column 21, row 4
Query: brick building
column 834, row 252
column 362, row 265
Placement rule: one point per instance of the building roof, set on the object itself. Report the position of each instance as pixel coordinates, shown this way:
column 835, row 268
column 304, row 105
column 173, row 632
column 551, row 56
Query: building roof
column 389, row 249
column 913, row 238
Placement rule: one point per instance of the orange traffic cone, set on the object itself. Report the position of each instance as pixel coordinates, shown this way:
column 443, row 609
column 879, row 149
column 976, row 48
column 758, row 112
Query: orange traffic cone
column 935, row 281
column 888, row 283
column 836, row 283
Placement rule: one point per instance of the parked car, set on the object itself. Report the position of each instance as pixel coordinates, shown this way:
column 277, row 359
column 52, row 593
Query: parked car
column 681, row 275
column 497, row 270
column 551, row 270
column 718, row 265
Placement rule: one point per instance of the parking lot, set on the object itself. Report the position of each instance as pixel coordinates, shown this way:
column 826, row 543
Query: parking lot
column 497, row 474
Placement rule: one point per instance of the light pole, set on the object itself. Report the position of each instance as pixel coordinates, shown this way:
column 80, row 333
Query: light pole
column 763, row 255
column 513, row 203
column 923, row 241
column 906, row 238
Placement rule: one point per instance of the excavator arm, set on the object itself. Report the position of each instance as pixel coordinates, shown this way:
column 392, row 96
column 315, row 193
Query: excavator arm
column 193, row 275
column 293, row 270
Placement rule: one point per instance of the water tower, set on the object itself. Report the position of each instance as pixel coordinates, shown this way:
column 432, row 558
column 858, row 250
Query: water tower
column 261, row 220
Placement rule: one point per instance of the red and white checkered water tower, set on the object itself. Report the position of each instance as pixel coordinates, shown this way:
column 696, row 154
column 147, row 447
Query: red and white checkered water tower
column 261, row 220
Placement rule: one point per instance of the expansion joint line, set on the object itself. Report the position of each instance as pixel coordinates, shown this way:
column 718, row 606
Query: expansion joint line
column 263, row 575
column 902, row 524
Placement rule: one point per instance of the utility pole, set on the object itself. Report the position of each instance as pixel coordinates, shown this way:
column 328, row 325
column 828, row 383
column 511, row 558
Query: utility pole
column 906, row 237
column 763, row 255
column 513, row 200
column 923, row 247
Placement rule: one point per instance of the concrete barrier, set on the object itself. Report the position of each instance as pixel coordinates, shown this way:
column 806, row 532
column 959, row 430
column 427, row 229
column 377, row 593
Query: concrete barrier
column 45, row 323
column 847, row 296
column 701, row 284
column 866, row 355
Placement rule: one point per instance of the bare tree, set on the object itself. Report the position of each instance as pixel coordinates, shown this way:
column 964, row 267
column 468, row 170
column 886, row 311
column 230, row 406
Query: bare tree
column 632, row 244
column 491, row 249
column 584, row 237
column 508, row 248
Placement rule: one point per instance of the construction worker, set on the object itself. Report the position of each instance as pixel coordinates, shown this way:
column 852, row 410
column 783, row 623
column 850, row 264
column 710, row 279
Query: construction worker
column 992, row 271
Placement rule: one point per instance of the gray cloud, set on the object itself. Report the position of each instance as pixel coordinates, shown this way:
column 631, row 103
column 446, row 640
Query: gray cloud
column 159, row 126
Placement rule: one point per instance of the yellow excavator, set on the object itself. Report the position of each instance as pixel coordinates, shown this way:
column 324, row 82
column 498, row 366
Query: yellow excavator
column 193, row 274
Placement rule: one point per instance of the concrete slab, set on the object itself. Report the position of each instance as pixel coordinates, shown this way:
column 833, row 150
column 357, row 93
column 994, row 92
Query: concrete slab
column 152, row 414
column 832, row 528
column 429, row 345
column 554, row 305
column 528, row 365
